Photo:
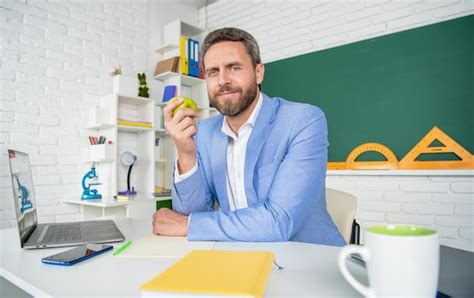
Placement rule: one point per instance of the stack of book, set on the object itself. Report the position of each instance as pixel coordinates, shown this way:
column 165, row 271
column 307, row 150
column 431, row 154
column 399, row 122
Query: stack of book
column 161, row 192
column 167, row 65
column 143, row 124
column 121, row 199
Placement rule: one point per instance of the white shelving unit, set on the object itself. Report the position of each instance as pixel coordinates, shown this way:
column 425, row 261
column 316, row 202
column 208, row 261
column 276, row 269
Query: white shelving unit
column 188, row 86
column 154, row 164
column 103, row 121
column 137, row 140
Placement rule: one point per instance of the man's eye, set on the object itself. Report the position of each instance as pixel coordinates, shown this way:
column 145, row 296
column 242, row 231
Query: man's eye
column 211, row 73
column 234, row 68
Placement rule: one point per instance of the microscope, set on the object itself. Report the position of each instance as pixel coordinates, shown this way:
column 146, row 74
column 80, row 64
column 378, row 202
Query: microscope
column 23, row 195
column 88, row 181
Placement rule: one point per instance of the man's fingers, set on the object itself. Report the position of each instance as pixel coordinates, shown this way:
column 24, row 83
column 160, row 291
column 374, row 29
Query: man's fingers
column 174, row 122
column 183, row 113
column 190, row 131
column 168, row 109
column 183, row 124
column 169, row 223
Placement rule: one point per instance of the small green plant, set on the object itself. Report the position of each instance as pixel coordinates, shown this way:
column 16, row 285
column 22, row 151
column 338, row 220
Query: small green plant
column 143, row 89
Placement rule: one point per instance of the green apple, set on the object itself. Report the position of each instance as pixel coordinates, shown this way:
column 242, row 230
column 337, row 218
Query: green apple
column 188, row 103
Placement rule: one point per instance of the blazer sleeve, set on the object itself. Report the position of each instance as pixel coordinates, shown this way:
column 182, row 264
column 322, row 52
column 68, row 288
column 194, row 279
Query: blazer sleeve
column 192, row 194
column 299, row 178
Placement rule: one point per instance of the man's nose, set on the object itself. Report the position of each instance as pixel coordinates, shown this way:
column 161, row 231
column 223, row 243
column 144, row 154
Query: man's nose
column 224, row 78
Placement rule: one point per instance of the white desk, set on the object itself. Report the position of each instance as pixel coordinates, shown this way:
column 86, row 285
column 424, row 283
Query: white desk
column 310, row 270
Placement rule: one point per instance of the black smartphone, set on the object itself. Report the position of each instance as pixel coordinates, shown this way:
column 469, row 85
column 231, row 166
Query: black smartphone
column 77, row 254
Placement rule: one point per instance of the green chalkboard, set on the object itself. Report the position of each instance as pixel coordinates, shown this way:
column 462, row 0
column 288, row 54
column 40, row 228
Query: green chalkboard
column 391, row 89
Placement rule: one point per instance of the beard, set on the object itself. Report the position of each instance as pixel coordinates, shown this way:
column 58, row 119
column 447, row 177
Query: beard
column 233, row 109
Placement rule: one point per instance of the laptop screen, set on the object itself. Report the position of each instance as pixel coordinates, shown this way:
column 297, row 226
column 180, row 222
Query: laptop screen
column 23, row 193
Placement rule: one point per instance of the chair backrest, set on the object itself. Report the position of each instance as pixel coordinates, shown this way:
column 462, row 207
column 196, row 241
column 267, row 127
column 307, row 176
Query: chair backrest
column 342, row 207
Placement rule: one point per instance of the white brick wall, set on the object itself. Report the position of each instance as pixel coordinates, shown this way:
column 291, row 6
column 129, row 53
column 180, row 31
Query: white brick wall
column 54, row 60
column 290, row 28
column 423, row 200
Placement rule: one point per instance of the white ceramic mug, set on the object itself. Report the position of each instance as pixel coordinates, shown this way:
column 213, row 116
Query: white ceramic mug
column 402, row 260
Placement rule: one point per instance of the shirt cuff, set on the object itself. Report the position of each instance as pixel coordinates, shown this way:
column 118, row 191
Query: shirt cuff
column 177, row 177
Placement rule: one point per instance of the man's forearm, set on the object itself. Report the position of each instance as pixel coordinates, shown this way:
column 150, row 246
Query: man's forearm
column 186, row 163
column 190, row 194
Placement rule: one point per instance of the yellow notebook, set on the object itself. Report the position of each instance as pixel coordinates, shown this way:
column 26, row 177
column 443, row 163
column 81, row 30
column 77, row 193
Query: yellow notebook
column 213, row 273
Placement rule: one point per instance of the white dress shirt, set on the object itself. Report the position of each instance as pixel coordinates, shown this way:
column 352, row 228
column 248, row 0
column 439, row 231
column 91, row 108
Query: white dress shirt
column 236, row 153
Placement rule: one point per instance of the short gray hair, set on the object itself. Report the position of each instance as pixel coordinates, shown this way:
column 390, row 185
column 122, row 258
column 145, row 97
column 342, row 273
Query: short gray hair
column 233, row 34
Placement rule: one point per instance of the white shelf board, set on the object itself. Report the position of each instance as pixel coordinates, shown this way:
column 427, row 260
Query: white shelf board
column 207, row 108
column 110, row 202
column 400, row 173
column 166, row 48
column 166, row 75
column 185, row 80
column 190, row 30
column 161, row 104
column 191, row 81
column 100, row 126
column 133, row 128
column 104, row 203
column 88, row 160
column 136, row 100
column 161, row 130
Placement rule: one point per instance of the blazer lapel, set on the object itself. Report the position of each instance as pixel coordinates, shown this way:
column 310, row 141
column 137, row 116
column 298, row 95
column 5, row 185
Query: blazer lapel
column 219, row 165
column 256, row 141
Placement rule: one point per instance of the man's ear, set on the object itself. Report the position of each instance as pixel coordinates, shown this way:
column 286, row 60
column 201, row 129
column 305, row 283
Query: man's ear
column 259, row 73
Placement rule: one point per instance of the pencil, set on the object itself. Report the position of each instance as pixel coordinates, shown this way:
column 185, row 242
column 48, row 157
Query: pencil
column 122, row 248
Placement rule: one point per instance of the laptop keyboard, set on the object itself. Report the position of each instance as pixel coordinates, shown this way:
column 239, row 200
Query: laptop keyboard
column 62, row 233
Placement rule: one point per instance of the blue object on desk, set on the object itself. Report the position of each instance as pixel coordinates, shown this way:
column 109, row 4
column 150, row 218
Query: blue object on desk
column 77, row 254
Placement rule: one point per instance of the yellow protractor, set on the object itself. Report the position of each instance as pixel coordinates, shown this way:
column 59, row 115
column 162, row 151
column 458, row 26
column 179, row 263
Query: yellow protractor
column 390, row 164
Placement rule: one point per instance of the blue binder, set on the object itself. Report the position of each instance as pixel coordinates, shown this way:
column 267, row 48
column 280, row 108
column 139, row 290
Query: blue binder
column 193, row 57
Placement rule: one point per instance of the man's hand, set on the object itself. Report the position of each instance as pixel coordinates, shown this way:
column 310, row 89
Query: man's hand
column 166, row 222
column 182, row 128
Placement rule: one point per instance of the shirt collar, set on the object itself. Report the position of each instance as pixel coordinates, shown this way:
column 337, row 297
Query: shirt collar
column 250, row 121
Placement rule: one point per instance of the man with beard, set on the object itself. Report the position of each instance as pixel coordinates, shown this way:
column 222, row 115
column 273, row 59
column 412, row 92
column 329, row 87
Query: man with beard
column 263, row 161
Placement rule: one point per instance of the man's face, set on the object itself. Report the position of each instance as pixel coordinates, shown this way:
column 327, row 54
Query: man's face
column 231, row 79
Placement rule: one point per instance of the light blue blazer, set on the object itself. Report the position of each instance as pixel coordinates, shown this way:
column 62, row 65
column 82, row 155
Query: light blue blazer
column 285, row 172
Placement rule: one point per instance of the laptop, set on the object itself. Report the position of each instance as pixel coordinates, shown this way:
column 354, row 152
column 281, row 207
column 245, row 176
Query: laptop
column 34, row 235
